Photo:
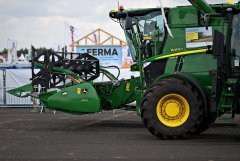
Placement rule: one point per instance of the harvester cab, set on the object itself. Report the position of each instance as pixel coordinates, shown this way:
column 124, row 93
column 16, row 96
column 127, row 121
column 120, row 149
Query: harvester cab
column 143, row 29
column 188, row 59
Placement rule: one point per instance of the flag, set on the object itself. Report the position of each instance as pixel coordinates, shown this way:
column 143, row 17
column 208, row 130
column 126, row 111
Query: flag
column 12, row 51
column 70, row 37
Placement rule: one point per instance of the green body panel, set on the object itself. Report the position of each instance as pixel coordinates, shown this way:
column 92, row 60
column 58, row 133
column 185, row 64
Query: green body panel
column 115, row 95
column 198, row 65
column 178, row 43
column 100, row 96
column 73, row 99
column 183, row 17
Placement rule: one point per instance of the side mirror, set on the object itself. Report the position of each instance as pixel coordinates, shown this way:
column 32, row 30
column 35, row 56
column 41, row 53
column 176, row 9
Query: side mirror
column 218, row 43
column 128, row 23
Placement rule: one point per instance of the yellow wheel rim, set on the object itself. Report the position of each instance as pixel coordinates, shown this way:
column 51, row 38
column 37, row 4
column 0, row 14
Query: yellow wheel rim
column 173, row 110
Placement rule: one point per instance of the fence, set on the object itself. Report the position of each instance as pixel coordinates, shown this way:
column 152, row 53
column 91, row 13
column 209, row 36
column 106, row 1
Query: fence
column 16, row 78
column 8, row 100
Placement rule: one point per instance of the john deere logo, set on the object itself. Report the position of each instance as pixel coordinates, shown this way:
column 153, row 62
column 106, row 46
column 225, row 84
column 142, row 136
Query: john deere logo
column 85, row 90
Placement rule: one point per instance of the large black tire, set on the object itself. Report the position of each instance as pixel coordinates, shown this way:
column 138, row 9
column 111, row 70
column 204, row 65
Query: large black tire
column 205, row 124
column 158, row 96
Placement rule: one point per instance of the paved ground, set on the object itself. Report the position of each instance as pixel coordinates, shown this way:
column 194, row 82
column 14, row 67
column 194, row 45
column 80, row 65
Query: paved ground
column 107, row 136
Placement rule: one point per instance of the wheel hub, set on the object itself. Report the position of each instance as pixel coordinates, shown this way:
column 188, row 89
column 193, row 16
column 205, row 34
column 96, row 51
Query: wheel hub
column 173, row 110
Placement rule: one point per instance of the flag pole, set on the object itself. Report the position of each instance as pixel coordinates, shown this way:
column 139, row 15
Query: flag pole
column 64, row 36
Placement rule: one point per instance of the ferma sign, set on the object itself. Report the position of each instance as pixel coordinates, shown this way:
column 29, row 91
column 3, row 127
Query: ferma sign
column 104, row 46
column 102, row 52
column 107, row 55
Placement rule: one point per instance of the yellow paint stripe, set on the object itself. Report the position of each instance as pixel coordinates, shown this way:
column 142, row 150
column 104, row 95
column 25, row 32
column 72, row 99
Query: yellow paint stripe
column 182, row 53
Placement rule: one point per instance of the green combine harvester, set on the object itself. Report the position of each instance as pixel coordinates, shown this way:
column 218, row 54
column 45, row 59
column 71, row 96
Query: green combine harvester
column 188, row 61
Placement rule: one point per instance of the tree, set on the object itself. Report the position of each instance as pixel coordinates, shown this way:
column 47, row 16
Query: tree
column 22, row 51
column 4, row 51
column 41, row 50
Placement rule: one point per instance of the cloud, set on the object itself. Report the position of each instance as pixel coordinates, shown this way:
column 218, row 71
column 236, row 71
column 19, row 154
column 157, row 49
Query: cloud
column 41, row 23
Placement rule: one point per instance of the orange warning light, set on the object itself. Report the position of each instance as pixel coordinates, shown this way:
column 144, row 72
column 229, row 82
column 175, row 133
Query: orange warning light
column 121, row 8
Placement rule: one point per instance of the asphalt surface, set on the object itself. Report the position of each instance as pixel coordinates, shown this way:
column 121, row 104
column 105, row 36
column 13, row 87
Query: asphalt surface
column 107, row 136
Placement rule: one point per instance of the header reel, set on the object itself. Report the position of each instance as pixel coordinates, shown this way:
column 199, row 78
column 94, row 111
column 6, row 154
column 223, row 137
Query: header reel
column 53, row 68
column 85, row 66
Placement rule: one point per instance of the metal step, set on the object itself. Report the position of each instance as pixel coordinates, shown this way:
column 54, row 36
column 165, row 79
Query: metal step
column 228, row 94
column 226, row 106
column 231, row 81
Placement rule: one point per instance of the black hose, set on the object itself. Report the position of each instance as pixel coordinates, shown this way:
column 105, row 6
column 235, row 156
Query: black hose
column 113, row 66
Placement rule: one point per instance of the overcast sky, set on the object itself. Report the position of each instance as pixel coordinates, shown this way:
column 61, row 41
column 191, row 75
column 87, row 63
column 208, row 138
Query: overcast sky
column 41, row 23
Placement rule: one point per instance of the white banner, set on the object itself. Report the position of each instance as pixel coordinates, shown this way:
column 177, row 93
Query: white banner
column 14, row 78
column 12, row 51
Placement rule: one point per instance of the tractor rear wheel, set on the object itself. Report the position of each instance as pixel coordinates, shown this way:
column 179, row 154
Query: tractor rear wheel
column 172, row 109
column 205, row 124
